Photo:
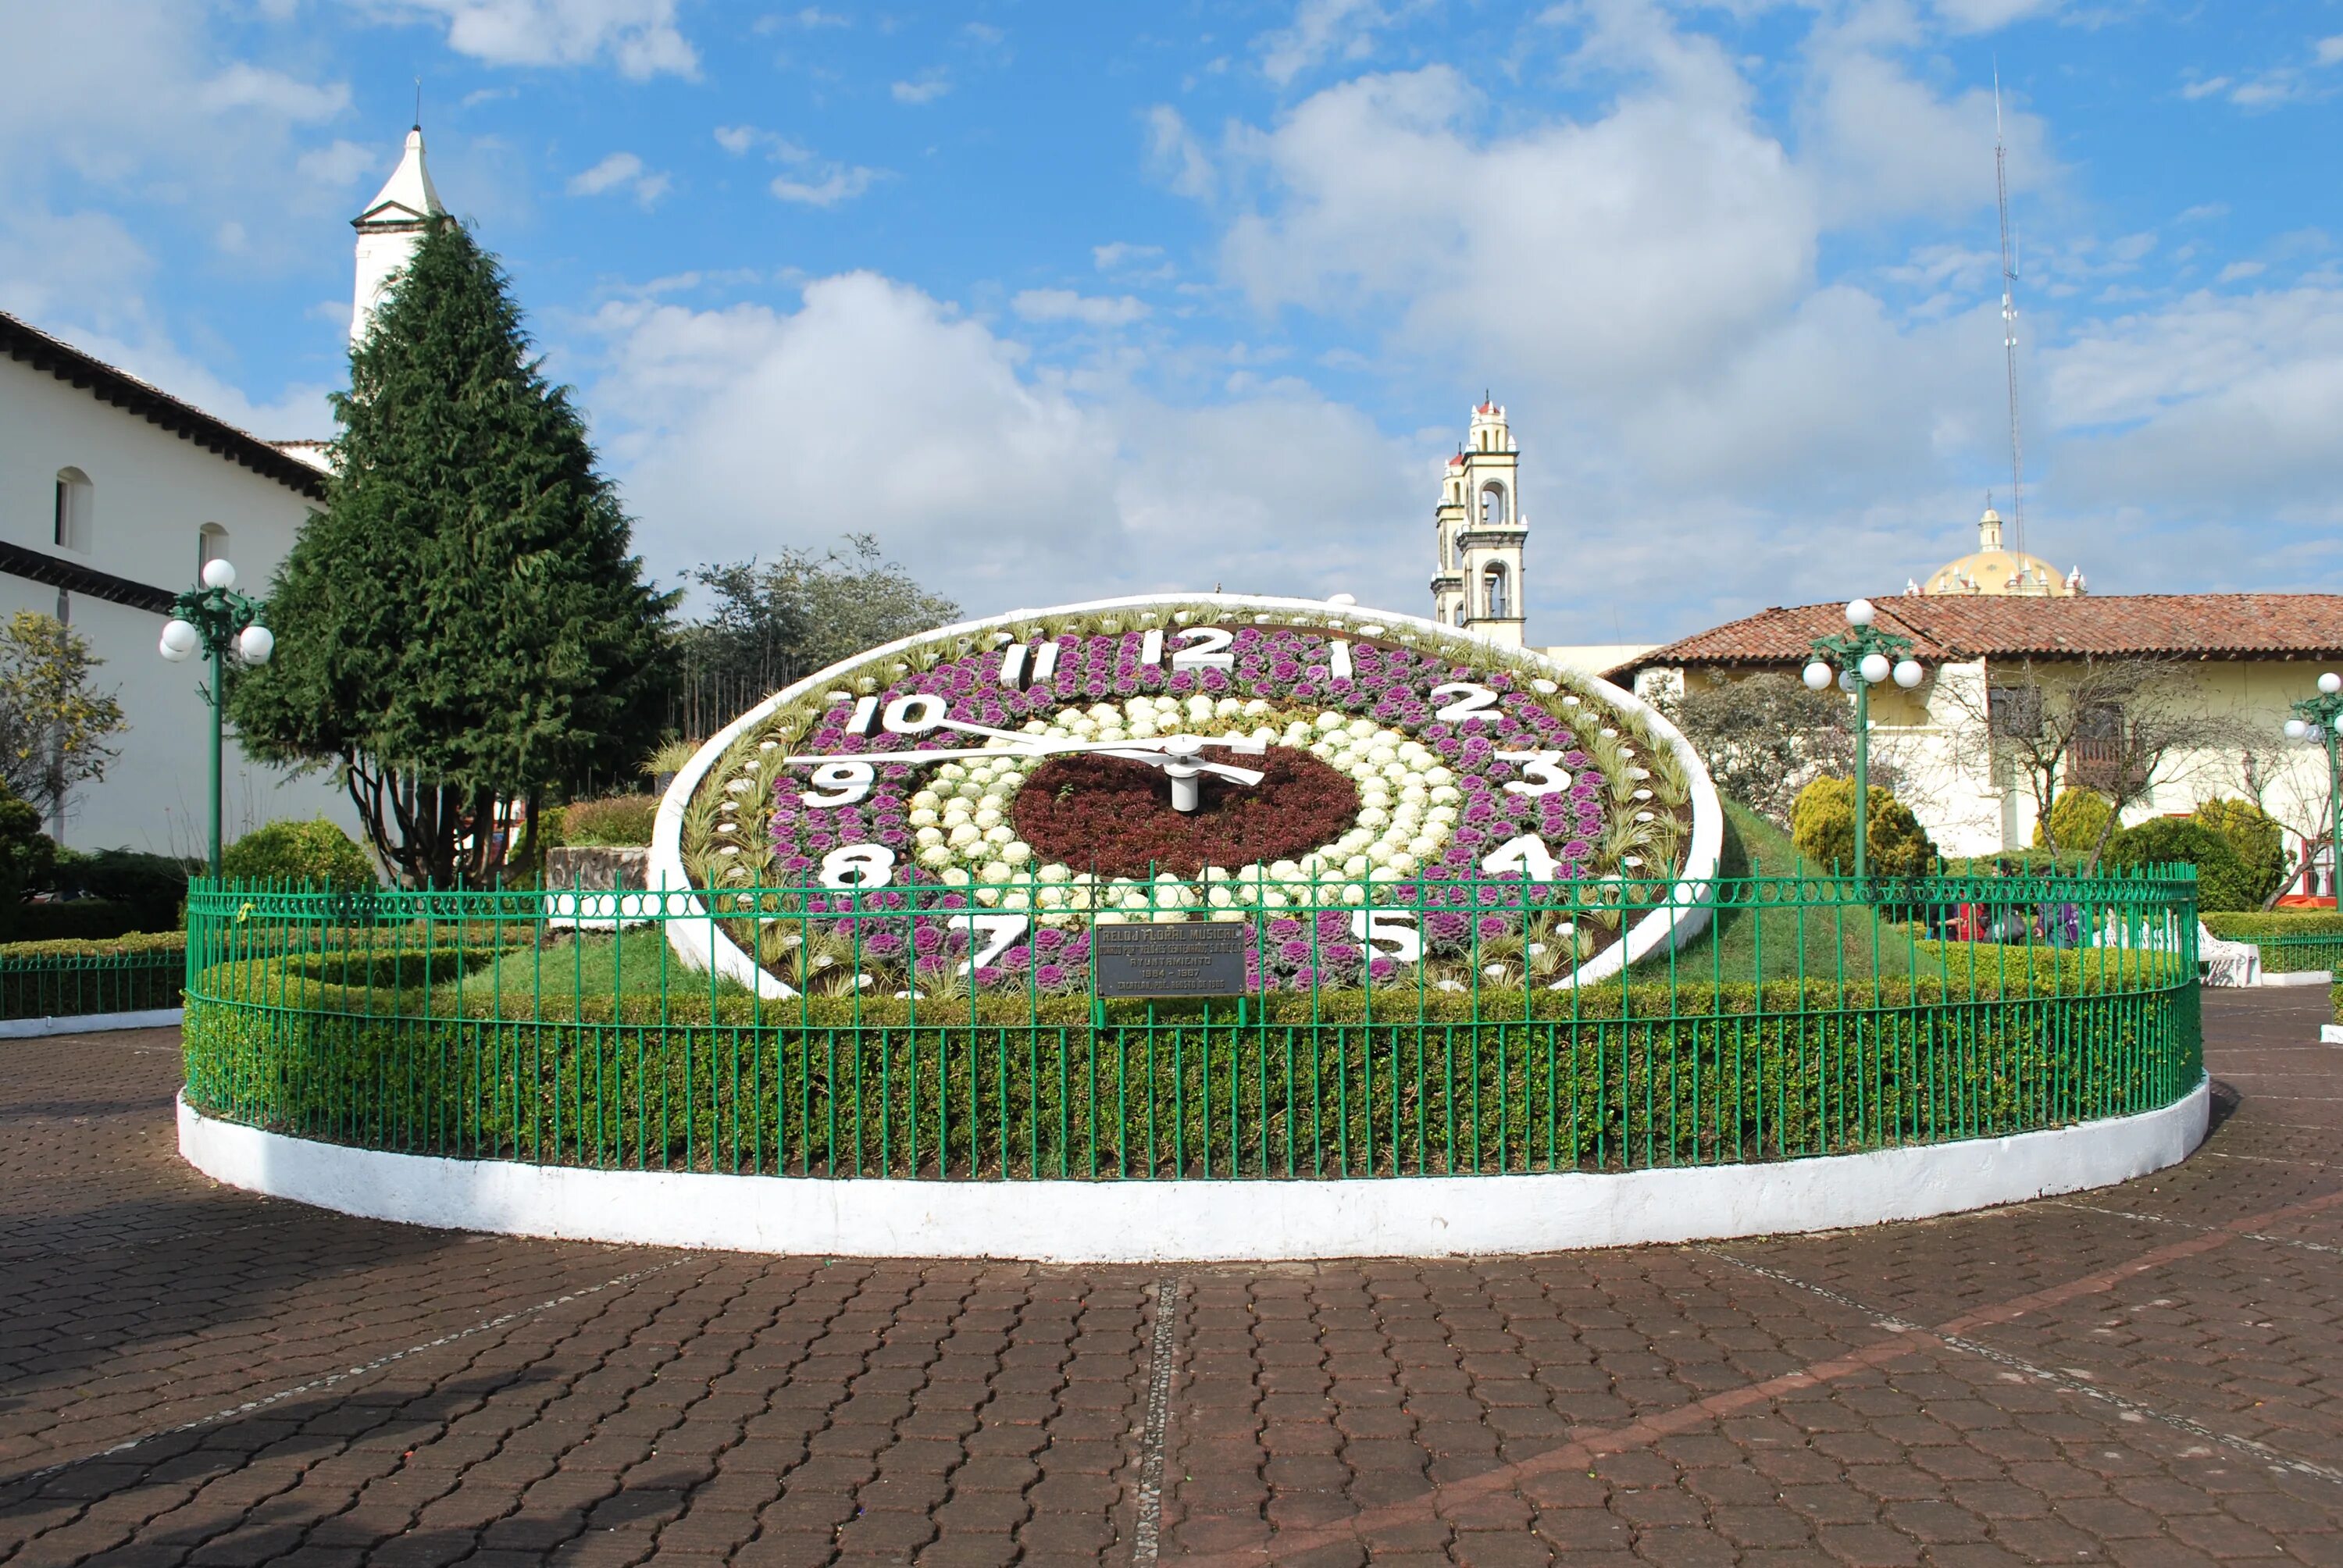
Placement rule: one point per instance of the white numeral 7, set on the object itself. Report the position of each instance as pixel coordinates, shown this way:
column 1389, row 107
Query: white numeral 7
column 1001, row 933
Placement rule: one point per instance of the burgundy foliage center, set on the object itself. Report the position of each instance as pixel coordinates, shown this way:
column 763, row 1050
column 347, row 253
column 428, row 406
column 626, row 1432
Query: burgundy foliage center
column 1114, row 816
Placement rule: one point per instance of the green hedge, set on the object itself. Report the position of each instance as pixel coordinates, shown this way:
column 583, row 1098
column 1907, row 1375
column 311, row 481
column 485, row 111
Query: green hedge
column 2289, row 943
column 135, row 973
column 1609, row 1078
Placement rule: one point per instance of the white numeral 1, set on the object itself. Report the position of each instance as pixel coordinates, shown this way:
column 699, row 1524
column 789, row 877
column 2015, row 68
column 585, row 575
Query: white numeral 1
column 1341, row 659
column 858, row 722
column 1151, row 646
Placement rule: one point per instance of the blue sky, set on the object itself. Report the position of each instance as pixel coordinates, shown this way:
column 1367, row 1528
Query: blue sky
column 1066, row 300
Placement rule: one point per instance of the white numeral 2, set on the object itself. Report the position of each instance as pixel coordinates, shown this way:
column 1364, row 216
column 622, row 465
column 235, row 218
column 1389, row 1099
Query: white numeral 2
column 1471, row 701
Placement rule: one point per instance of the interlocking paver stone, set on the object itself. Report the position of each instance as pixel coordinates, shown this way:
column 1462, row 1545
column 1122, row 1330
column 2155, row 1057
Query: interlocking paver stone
column 2135, row 1375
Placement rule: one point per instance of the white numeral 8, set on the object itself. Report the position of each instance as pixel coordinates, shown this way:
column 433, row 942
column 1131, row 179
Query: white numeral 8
column 859, row 866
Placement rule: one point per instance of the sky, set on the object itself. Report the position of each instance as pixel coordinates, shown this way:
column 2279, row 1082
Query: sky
column 1065, row 301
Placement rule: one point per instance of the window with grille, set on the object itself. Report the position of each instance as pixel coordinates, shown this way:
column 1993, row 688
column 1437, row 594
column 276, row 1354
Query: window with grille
column 2015, row 711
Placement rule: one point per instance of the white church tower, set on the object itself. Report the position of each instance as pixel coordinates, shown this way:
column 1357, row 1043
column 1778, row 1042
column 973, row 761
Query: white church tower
column 1480, row 531
column 390, row 228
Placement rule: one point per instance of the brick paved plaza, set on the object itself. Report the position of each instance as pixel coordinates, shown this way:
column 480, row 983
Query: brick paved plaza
column 2151, row 1374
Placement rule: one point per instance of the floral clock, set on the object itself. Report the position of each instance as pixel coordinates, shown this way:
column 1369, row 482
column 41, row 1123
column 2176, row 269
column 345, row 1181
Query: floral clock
column 1381, row 800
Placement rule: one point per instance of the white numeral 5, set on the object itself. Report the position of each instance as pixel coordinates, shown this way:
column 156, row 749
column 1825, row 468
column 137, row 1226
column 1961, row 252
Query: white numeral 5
column 1395, row 928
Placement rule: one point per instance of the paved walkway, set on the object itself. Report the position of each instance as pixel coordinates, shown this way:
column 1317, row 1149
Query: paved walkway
column 2151, row 1374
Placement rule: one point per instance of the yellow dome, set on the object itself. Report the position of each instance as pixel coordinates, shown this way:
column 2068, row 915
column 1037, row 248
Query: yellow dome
column 1993, row 570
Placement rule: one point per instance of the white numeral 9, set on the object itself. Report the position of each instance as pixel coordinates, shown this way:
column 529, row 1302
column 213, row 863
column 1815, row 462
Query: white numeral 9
column 847, row 781
column 1543, row 768
column 1471, row 701
column 859, row 866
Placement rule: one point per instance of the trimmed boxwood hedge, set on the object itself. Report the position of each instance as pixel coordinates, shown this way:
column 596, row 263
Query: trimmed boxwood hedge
column 1609, row 1078
column 139, row 972
column 2291, row 943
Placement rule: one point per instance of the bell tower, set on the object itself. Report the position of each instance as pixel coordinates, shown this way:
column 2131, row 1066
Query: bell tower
column 1479, row 530
column 389, row 229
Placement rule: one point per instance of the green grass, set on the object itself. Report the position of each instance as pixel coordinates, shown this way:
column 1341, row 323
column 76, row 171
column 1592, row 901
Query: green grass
column 593, row 964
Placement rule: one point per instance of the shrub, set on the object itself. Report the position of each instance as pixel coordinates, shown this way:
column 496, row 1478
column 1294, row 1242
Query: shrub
column 2076, row 817
column 148, row 891
column 78, row 921
column 618, row 819
column 313, row 851
column 1822, row 825
column 2222, row 880
column 26, row 855
column 2255, row 835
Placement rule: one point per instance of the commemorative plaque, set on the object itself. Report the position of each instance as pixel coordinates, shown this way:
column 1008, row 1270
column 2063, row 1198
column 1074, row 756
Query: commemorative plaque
column 1192, row 958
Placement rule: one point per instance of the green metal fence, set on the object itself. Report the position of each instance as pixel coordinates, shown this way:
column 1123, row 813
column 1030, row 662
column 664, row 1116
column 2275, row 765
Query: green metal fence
column 1809, row 1017
column 2300, row 954
column 81, row 984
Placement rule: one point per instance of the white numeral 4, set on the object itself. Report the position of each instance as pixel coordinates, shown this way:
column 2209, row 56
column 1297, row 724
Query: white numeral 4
column 1524, row 854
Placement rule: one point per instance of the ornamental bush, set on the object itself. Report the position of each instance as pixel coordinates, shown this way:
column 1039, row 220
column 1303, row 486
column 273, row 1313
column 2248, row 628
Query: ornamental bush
column 2222, row 880
column 2078, row 816
column 313, row 851
column 617, row 820
column 1822, row 825
column 2255, row 835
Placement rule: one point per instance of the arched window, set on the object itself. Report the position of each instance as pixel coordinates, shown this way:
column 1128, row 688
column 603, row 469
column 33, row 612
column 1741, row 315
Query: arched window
column 76, row 504
column 211, row 545
column 1496, row 592
column 1493, row 506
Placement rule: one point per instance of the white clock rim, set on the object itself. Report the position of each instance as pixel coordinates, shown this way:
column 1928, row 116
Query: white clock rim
column 698, row 937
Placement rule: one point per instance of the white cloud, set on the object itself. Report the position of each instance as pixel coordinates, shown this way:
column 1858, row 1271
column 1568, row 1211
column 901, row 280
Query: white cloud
column 1323, row 30
column 2327, row 51
column 1121, row 253
column 638, row 36
column 926, row 89
column 247, row 86
column 1987, row 16
column 1065, row 305
column 2237, row 270
column 743, row 430
column 340, row 164
column 622, row 171
column 838, row 184
column 1885, row 145
column 1175, row 156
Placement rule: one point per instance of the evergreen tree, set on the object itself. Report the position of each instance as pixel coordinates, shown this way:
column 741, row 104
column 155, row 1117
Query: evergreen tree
column 464, row 628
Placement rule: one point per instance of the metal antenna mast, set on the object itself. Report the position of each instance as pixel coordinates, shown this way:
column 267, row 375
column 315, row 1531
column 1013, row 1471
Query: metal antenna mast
column 2009, row 322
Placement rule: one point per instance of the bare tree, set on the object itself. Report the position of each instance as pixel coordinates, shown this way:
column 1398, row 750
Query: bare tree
column 2262, row 768
column 1765, row 737
column 2117, row 725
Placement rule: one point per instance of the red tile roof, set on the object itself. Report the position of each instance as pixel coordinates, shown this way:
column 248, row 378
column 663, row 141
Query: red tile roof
column 2207, row 625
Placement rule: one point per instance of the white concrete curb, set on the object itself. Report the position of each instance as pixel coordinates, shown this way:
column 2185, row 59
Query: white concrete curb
column 1153, row 1222
column 2330, row 1034
column 2297, row 977
column 89, row 1023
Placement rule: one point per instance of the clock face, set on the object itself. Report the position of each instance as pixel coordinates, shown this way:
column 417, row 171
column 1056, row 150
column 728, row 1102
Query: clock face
column 1378, row 798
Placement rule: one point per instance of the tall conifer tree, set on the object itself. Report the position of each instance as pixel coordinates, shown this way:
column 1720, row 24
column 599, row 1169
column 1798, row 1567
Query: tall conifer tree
column 464, row 627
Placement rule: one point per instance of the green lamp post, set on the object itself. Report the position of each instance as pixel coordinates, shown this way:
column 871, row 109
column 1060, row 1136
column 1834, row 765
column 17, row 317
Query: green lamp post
column 2323, row 715
column 216, row 621
column 1859, row 658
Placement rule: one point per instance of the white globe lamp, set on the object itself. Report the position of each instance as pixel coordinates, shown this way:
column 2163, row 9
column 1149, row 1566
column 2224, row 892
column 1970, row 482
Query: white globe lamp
column 180, row 639
column 1816, row 675
column 219, row 574
column 253, row 644
column 1874, row 668
column 1908, row 673
column 1847, row 681
column 2339, row 724
column 1859, row 612
column 2296, row 729
column 2330, row 683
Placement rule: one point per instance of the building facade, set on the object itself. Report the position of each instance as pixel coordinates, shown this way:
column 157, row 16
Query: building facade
column 1478, row 531
column 112, row 494
column 2205, row 681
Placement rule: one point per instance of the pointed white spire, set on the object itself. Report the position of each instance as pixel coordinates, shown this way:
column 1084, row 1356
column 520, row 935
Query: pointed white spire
column 389, row 229
column 407, row 197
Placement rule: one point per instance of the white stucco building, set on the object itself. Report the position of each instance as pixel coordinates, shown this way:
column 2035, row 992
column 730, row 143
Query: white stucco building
column 1478, row 531
column 112, row 494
